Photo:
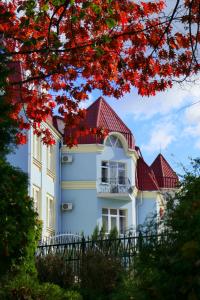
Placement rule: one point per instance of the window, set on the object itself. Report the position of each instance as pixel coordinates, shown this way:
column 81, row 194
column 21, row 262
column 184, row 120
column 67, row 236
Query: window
column 104, row 171
column 51, row 158
column 113, row 172
column 113, row 141
column 37, row 200
column 114, row 218
column 36, row 147
column 50, row 212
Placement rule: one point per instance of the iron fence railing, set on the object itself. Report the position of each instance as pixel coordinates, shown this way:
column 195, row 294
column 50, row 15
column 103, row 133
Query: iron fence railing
column 167, row 182
column 114, row 185
column 124, row 249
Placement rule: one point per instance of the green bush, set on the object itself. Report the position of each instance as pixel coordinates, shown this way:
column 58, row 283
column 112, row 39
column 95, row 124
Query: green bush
column 53, row 268
column 100, row 275
column 18, row 221
column 24, row 287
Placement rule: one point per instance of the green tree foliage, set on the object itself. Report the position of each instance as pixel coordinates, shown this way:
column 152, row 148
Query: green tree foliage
column 168, row 267
column 17, row 218
column 24, row 287
column 18, row 221
column 8, row 126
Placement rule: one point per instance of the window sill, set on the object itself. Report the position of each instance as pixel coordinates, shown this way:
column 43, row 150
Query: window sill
column 51, row 174
column 37, row 163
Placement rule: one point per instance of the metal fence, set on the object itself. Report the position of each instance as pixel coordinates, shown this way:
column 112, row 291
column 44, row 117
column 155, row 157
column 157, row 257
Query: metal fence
column 124, row 249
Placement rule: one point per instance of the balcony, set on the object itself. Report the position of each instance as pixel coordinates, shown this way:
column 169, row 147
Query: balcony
column 114, row 188
column 168, row 182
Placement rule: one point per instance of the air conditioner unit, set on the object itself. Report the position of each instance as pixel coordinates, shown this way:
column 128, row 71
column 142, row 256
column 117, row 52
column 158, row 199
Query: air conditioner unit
column 66, row 158
column 66, row 206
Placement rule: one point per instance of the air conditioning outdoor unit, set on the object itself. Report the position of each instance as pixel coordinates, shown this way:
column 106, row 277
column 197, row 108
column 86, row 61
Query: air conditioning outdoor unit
column 66, row 158
column 66, row 206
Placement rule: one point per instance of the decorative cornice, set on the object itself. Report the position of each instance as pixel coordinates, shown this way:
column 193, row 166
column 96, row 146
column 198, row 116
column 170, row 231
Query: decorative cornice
column 83, row 148
column 37, row 163
column 133, row 154
column 79, row 185
column 51, row 174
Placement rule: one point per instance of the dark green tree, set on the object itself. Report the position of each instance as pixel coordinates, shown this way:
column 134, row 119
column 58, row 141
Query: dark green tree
column 18, row 221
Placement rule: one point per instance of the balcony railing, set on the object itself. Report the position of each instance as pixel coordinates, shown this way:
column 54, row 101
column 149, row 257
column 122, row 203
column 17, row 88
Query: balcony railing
column 114, row 185
column 167, row 182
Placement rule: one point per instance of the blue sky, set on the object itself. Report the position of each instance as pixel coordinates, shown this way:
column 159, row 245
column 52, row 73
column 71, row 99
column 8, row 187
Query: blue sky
column 167, row 122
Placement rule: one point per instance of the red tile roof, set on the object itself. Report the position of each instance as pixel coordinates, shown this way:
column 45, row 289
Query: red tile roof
column 165, row 175
column 101, row 115
column 145, row 178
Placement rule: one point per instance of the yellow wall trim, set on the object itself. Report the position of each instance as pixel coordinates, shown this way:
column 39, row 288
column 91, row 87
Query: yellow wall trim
column 148, row 194
column 83, row 148
column 135, row 192
column 79, row 185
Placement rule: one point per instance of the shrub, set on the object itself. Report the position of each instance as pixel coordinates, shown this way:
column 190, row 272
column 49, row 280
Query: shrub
column 100, row 275
column 18, row 221
column 24, row 287
column 54, row 269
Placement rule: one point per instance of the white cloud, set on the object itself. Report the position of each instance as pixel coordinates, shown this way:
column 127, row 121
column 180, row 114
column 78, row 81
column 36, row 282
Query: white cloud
column 161, row 136
column 192, row 120
column 197, row 144
column 192, row 114
column 162, row 104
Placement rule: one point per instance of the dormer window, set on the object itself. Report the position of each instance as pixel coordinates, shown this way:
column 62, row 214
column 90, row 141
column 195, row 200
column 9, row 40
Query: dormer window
column 113, row 141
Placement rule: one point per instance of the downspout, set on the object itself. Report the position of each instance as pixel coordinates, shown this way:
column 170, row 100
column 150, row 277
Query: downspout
column 29, row 162
column 138, row 206
column 60, row 183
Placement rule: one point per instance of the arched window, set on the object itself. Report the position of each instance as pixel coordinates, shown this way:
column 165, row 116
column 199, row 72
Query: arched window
column 113, row 141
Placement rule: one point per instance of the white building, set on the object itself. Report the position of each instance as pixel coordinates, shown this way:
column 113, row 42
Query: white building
column 99, row 182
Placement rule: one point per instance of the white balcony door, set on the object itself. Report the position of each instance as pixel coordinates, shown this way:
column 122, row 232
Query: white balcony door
column 113, row 173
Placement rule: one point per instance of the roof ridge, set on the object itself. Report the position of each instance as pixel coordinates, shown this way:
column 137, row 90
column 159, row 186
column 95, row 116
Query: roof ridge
column 152, row 174
column 115, row 114
column 149, row 173
column 161, row 157
column 99, row 109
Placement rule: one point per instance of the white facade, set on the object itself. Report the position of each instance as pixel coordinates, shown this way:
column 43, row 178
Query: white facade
column 41, row 163
column 92, row 184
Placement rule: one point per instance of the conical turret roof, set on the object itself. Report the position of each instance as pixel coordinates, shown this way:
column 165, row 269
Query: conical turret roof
column 165, row 175
column 145, row 177
column 101, row 115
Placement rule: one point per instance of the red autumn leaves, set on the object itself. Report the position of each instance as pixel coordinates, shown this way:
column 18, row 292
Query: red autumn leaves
column 68, row 49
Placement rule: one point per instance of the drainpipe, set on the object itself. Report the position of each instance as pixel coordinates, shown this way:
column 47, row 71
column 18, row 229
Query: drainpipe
column 29, row 162
column 138, row 206
column 60, row 183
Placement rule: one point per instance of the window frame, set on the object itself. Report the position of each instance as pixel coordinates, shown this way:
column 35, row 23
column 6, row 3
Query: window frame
column 114, row 141
column 50, row 223
column 118, row 216
column 37, row 203
column 37, row 151
column 108, row 167
column 50, row 158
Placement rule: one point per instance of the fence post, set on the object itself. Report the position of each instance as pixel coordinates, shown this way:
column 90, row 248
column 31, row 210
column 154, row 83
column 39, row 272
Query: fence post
column 83, row 245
